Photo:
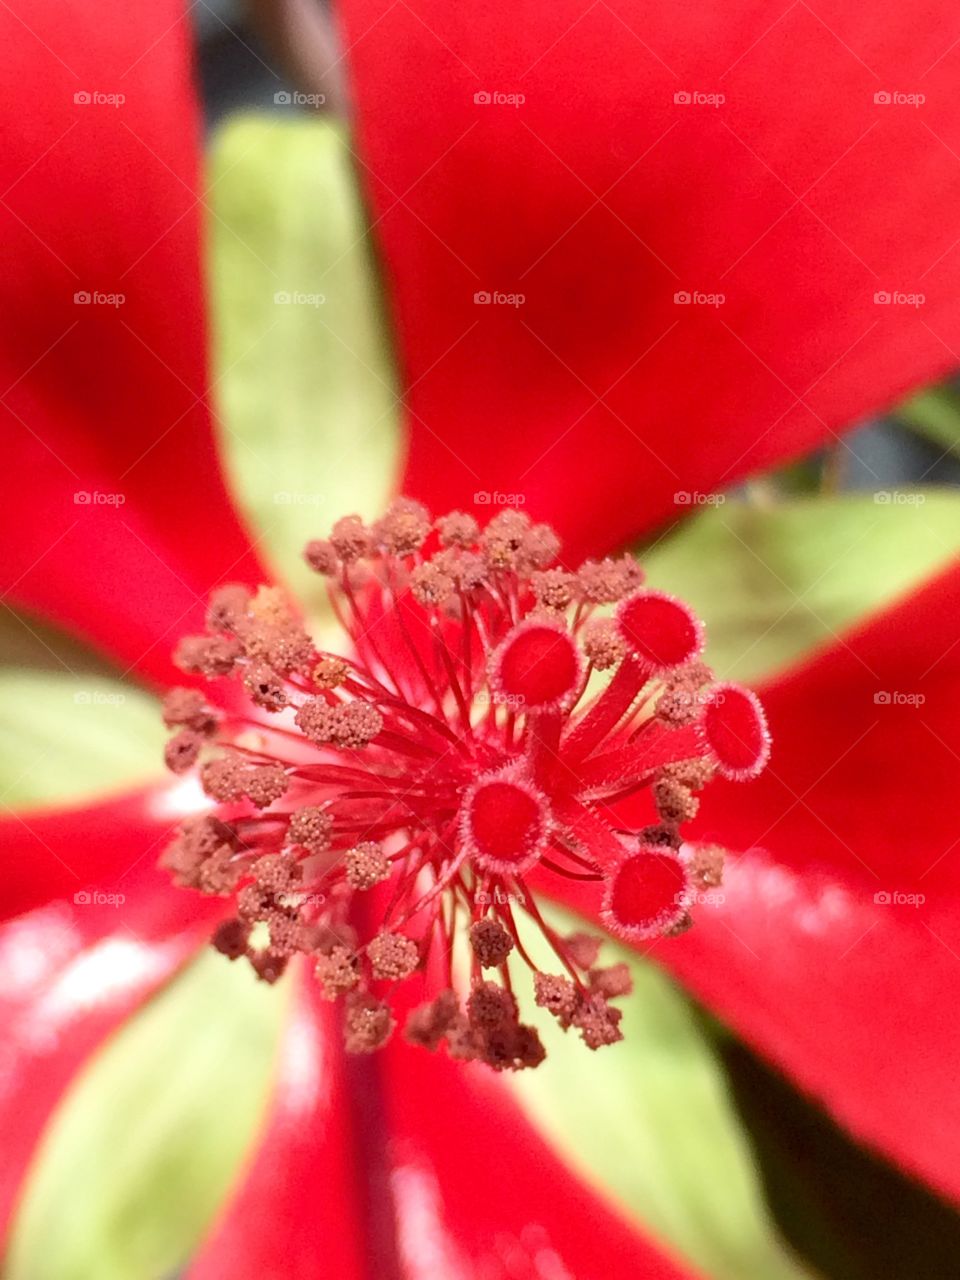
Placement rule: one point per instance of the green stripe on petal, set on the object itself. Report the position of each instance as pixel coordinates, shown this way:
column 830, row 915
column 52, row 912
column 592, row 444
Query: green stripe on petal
column 302, row 366
column 651, row 1122
column 66, row 736
column 151, row 1137
column 774, row 583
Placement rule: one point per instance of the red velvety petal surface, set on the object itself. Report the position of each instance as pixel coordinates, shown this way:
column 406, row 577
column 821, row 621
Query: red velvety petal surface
column 600, row 197
column 72, row 973
column 836, row 948
column 447, row 1175
column 298, row 1208
column 54, row 853
column 115, row 517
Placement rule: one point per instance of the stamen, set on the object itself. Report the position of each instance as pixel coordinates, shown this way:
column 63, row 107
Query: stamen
column 458, row 747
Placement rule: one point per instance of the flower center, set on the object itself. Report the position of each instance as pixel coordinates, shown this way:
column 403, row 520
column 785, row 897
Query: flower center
column 455, row 755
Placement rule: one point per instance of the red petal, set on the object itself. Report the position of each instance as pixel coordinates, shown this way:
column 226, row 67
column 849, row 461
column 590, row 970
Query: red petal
column 297, row 1208
column 820, row 954
column 599, row 399
column 103, row 399
column 71, row 975
column 56, row 853
column 433, row 1162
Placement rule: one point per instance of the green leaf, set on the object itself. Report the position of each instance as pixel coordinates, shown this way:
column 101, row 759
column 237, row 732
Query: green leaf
column 774, row 583
column 65, row 736
column 650, row 1122
column 149, row 1140
column 853, row 1215
column 934, row 414
column 306, row 388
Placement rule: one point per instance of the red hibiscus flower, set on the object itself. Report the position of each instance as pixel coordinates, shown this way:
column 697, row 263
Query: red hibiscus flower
column 632, row 257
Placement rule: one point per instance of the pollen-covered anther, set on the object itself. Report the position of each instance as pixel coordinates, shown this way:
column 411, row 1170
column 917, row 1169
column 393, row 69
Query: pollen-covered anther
column 429, row 1023
column 603, row 643
column 539, row 548
column 554, row 588
column 502, row 539
column 694, row 773
column 268, row 965
column 266, row 783
column 706, row 864
column 315, row 718
column 366, row 864
column 202, row 855
column 355, row 724
column 330, row 672
column 187, row 709
column 614, row 981
column 489, row 1006
column 504, row 824
column 675, row 802
column 393, row 956
column 583, row 949
column 231, row 938
column 368, row 1023
column 351, row 539
column 647, row 893
column 207, row 655
column 310, row 827
column 457, row 530
column 264, row 686
column 322, row 557
column 607, row 581
column 559, row 996
column 227, row 607
column 537, row 666
column 224, row 777
column 660, row 632
column 182, row 750
column 598, row 1021
column 467, row 569
column 337, row 972
column 404, row 528
column 430, row 586
column 735, row 730
column 490, row 942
